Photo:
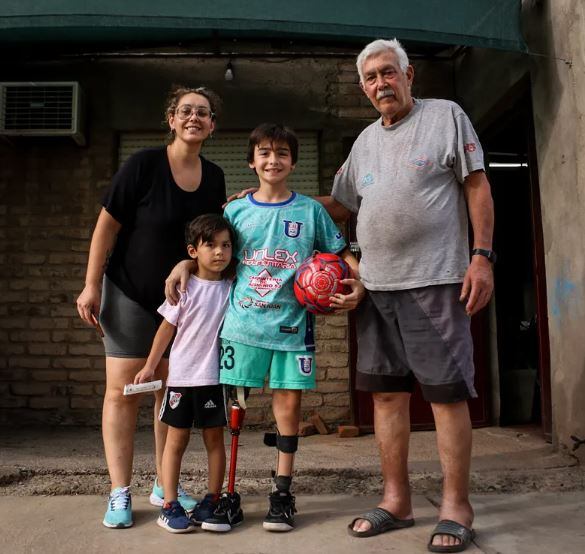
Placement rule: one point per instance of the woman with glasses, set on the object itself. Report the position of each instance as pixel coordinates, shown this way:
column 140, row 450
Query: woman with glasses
column 138, row 239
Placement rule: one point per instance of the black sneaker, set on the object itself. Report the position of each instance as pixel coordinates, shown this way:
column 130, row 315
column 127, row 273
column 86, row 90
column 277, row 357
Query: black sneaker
column 205, row 509
column 281, row 515
column 228, row 514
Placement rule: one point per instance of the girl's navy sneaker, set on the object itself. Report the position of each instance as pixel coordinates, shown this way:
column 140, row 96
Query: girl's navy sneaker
column 174, row 519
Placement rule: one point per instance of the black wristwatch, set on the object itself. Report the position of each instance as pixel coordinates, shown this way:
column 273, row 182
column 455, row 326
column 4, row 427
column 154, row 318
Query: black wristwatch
column 489, row 254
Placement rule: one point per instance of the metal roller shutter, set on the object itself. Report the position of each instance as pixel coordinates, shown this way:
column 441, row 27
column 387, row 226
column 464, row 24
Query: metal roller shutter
column 228, row 150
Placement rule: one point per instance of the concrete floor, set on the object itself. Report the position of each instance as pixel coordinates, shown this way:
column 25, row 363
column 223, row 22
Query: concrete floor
column 527, row 497
column 509, row 524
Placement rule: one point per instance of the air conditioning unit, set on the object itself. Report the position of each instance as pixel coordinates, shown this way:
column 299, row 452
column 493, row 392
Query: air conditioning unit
column 49, row 109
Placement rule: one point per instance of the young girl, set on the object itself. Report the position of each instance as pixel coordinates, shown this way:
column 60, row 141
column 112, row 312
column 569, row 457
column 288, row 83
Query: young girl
column 193, row 396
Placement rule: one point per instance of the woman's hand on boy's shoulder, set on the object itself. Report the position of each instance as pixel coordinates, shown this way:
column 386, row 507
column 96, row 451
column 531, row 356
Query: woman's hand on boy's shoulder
column 346, row 302
column 240, row 194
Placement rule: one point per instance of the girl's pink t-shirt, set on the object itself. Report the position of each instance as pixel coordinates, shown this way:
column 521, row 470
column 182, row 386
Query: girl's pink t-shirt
column 194, row 358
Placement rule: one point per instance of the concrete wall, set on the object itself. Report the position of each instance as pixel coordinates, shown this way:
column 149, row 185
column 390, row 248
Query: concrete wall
column 555, row 31
column 555, row 34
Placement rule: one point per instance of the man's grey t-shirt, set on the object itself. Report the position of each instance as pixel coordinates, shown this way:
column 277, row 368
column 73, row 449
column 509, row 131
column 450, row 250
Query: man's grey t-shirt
column 405, row 183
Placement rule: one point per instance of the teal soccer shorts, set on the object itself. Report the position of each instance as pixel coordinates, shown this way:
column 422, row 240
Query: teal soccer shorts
column 246, row 366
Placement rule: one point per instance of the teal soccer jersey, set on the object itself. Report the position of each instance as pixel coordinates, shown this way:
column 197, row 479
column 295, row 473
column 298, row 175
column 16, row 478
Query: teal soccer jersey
column 271, row 242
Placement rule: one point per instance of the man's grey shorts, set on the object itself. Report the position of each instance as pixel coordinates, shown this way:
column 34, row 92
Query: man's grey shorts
column 128, row 327
column 421, row 334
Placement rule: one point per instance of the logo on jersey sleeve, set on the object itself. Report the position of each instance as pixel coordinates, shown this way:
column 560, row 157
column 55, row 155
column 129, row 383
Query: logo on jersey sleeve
column 292, row 229
column 174, row 399
column 305, row 365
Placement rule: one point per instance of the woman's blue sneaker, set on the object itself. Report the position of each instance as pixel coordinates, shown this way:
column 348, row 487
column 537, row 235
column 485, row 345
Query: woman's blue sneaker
column 119, row 512
column 157, row 497
column 174, row 519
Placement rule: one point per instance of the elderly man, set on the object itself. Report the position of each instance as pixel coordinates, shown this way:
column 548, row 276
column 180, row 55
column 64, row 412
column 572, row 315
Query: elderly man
column 412, row 177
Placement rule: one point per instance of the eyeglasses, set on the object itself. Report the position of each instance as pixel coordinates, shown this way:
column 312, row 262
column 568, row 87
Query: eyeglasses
column 186, row 110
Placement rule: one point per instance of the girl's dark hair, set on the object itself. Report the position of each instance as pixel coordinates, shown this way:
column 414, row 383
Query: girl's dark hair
column 273, row 132
column 178, row 91
column 205, row 227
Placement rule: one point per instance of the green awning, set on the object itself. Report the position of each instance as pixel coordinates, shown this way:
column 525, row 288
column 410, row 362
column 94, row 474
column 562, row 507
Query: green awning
column 482, row 23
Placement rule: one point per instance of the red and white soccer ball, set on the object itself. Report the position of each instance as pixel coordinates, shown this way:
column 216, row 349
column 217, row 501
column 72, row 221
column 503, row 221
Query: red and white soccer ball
column 317, row 278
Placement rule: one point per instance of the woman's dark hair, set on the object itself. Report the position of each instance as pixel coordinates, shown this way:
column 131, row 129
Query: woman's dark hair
column 273, row 132
column 205, row 227
column 178, row 91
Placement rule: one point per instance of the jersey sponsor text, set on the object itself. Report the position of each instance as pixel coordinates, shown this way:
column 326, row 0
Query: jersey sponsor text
column 281, row 258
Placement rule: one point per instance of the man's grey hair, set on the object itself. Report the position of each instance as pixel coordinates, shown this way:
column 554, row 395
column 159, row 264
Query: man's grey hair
column 377, row 47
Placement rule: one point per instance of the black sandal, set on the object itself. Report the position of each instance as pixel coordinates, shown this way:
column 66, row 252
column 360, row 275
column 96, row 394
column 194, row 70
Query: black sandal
column 381, row 521
column 453, row 529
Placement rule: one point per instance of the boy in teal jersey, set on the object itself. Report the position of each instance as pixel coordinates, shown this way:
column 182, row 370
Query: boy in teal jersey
column 265, row 329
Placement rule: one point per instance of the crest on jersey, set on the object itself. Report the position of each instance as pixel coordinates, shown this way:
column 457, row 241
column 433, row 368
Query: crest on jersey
column 305, row 364
column 264, row 282
column 174, row 399
column 292, row 229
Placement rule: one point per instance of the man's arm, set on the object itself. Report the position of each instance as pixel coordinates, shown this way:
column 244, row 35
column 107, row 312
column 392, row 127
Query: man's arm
column 338, row 212
column 478, row 283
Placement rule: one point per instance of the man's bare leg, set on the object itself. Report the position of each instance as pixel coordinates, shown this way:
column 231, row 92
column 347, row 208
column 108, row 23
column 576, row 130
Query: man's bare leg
column 454, row 443
column 392, row 427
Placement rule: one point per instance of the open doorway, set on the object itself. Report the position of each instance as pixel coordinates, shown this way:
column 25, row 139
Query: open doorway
column 520, row 287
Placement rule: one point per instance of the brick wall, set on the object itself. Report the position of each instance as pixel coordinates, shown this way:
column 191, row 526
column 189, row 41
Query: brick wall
column 51, row 364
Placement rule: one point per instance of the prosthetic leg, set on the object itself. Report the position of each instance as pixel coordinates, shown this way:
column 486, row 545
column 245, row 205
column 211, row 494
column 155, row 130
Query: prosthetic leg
column 237, row 413
column 229, row 513
column 280, row 516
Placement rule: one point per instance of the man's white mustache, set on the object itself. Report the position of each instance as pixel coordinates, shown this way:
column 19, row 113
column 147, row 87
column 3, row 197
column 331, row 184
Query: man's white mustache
column 384, row 93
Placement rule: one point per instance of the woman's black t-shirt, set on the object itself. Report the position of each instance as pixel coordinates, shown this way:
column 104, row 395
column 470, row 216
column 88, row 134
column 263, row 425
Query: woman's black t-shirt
column 153, row 211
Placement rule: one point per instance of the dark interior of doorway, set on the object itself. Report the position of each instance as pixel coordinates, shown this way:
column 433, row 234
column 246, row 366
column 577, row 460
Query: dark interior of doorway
column 508, row 144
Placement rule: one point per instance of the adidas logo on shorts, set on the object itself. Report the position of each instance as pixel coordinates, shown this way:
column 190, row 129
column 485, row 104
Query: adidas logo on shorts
column 210, row 404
